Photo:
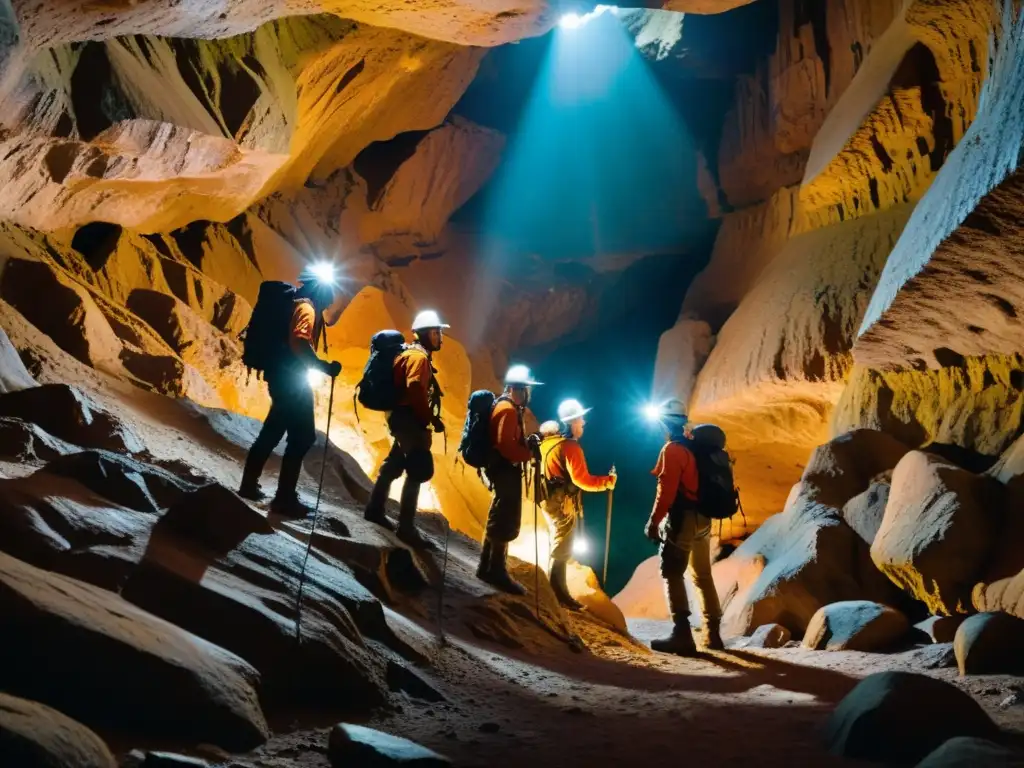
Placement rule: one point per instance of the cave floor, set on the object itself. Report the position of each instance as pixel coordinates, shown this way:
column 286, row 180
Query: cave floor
column 618, row 706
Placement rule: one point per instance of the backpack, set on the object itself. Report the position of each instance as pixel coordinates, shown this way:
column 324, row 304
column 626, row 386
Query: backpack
column 717, row 496
column 265, row 338
column 376, row 390
column 475, row 446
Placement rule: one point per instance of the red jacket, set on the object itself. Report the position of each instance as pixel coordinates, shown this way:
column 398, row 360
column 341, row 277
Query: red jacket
column 564, row 460
column 676, row 471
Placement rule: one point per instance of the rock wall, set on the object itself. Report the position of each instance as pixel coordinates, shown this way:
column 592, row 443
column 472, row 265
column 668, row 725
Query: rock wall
column 843, row 161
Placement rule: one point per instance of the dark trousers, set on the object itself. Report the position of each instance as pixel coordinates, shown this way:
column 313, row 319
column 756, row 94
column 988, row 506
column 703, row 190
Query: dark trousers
column 291, row 414
column 504, row 518
column 410, row 451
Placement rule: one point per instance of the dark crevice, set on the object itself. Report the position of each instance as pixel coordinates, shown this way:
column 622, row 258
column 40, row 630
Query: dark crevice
column 920, row 70
column 238, row 94
column 97, row 102
column 350, row 76
column 815, row 13
column 382, row 159
column 1001, row 304
column 873, row 189
column 948, row 358
column 190, row 239
column 160, row 244
column 186, row 56
column 242, row 232
column 881, row 154
column 97, row 242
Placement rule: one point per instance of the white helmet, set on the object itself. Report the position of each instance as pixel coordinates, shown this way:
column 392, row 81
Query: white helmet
column 428, row 319
column 519, row 376
column 673, row 409
column 570, row 410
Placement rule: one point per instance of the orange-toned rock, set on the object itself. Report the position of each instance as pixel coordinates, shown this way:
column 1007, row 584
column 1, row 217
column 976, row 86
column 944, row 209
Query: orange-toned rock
column 585, row 588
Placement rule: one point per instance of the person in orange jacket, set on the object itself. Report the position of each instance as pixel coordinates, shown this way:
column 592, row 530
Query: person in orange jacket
column 685, row 538
column 410, row 423
column 565, row 473
column 505, row 472
column 291, row 399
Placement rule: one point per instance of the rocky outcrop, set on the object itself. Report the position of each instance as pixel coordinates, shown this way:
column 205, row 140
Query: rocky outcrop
column 900, row 716
column 36, row 736
column 130, row 670
column 964, row 751
column 938, row 531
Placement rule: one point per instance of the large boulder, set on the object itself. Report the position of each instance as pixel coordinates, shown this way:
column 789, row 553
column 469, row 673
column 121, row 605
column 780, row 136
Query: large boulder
column 865, row 511
column 800, row 560
column 766, row 636
column 939, row 528
column 351, row 745
column 990, row 643
column 900, row 716
column 35, row 736
column 584, row 587
column 68, row 413
column 849, row 464
column 13, row 374
column 855, row 625
column 113, row 666
column 968, row 752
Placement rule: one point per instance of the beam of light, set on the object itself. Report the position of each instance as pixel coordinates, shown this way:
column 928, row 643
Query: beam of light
column 600, row 162
column 576, row 20
column 315, row 378
column 580, row 546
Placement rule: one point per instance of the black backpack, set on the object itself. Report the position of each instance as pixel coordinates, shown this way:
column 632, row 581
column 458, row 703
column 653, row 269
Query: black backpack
column 265, row 338
column 475, row 446
column 717, row 496
column 376, row 390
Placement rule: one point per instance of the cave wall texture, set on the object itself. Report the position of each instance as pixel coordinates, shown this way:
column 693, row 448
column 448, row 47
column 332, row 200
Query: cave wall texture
column 865, row 273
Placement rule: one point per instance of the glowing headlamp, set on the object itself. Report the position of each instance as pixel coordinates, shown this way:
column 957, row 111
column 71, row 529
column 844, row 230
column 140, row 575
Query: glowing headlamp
column 580, row 546
column 324, row 272
column 652, row 412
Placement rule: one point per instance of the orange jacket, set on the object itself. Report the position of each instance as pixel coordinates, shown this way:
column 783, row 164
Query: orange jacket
column 507, row 432
column 676, row 471
column 563, row 460
column 305, row 327
column 413, row 374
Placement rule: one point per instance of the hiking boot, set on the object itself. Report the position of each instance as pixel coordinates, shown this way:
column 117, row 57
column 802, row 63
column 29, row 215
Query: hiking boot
column 407, row 532
column 561, row 589
column 374, row 511
column 680, row 642
column 497, row 574
column 711, row 638
column 485, row 561
column 289, row 506
column 252, row 492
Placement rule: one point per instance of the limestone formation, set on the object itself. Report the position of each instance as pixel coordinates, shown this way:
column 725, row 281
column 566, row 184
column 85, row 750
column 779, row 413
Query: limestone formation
column 938, row 531
column 357, row 745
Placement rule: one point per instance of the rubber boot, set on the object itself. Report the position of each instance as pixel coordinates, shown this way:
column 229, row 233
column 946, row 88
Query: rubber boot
column 286, row 501
column 485, row 561
column 497, row 574
column 561, row 589
column 407, row 532
column 374, row 511
column 711, row 637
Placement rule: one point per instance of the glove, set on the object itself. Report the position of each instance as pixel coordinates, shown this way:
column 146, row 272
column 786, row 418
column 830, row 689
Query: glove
column 610, row 485
column 437, row 424
column 533, row 443
column 652, row 531
column 332, row 369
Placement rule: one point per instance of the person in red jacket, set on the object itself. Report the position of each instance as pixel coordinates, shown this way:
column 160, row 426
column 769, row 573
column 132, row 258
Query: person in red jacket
column 565, row 472
column 685, row 538
column 505, row 473
column 417, row 413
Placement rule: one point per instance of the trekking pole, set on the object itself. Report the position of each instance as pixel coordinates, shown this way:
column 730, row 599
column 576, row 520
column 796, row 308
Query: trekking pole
column 316, row 514
column 608, row 532
column 440, row 594
column 536, row 536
